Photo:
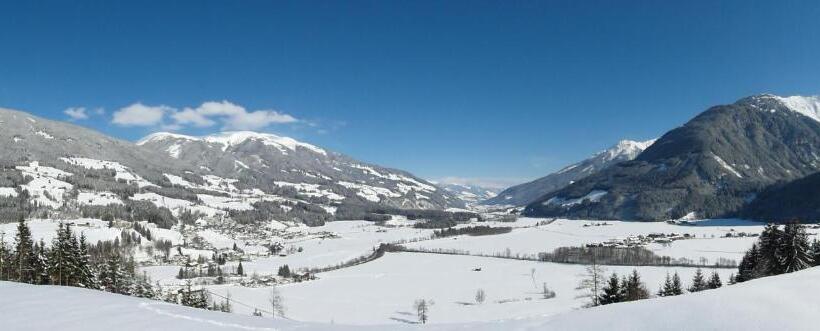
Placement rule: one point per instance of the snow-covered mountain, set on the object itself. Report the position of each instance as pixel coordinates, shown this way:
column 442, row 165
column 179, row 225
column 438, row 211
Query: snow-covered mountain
column 51, row 167
column 470, row 193
column 713, row 166
column 272, row 162
column 523, row 194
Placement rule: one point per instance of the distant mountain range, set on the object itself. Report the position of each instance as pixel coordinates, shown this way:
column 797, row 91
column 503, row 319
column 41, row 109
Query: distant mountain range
column 272, row 162
column 470, row 194
column 56, row 168
column 523, row 194
column 715, row 165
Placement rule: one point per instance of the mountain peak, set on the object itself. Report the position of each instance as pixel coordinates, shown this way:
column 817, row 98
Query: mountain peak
column 805, row 105
column 628, row 148
column 233, row 138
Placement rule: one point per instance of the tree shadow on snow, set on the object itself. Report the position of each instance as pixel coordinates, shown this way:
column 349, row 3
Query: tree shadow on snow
column 404, row 320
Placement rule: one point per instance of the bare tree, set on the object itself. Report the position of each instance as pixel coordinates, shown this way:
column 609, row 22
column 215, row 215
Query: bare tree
column 592, row 281
column 422, row 308
column 277, row 303
column 480, row 296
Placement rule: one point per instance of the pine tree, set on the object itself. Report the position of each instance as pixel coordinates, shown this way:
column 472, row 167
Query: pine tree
column 142, row 288
column 85, row 272
column 39, row 264
column 749, row 265
column 714, row 281
column 769, row 263
column 677, row 287
column 23, row 254
column 794, row 251
column 698, row 283
column 239, row 269
column 284, row 271
column 6, row 258
column 58, row 264
column 634, row 289
column 666, row 288
column 611, row 292
column 815, row 252
column 113, row 276
column 194, row 298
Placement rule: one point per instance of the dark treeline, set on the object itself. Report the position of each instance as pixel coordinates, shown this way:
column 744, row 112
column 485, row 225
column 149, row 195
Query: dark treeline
column 778, row 251
column 310, row 215
column 480, row 230
column 634, row 256
column 374, row 212
column 132, row 211
column 628, row 256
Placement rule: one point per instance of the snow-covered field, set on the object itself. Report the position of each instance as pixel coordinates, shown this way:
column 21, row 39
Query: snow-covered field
column 382, row 292
column 785, row 302
column 708, row 238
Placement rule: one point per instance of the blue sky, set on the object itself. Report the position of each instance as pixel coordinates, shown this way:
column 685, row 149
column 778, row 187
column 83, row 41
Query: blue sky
column 495, row 91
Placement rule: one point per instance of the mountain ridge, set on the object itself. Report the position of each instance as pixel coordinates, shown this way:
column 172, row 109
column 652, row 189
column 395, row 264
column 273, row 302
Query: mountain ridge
column 523, row 194
column 711, row 166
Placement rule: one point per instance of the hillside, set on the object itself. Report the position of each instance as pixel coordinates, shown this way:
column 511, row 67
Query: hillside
column 523, row 194
column 56, row 169
column 796, row 200
column 710, row 167
column 272, row 162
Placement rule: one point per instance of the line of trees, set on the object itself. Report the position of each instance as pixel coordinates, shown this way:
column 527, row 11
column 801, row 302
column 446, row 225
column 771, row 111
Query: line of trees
column 672, row 284
column 479, row 230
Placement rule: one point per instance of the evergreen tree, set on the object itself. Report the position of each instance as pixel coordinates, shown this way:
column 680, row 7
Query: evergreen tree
column 611, row 292
column 239, row 269
column 634, row 289
column 794, row 251
column 769, row 245
column 194, row 298
column 666, row 288
column 815, row 252
column 59, row 266
column 113, row 276
column 698, row 283
column 671, row 286
column 23, row 254
column 39, row 264
column 284, row 271
column 714, row 281
column 85, row 273
column 6, row 258
column 142, row 288
column 749, row 265
column 677, row 286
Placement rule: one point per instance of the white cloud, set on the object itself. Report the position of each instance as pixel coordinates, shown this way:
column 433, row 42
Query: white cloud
column 139, row 114
column 190, row 116
column 76, row 113
column 257, row 120
column 231, row 116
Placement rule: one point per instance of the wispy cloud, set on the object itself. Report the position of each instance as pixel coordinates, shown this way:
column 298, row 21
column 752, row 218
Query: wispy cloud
column 139, row 114
column 227, row 114
column 76, row 113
